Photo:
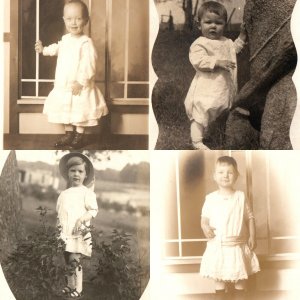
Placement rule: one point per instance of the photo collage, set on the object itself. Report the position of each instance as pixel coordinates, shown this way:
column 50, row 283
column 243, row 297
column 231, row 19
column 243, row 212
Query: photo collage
column 150, row 149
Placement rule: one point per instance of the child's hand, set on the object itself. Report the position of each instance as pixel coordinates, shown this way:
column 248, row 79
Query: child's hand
column 209, row 231
column 38, row 47
column 243, row 32
column 252, row 243
column 225, row 64
column 76, row 88
column 77, row 226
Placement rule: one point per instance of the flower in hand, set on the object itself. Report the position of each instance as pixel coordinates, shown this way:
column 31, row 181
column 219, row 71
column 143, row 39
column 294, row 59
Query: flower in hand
column 76, row 88
column 38, row 46
column 77, row 226
column 252, row 243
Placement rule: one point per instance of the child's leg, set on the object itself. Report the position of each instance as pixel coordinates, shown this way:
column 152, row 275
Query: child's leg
column 70, row 277
column 239, row 293
column 67, row 138
column 78, row 138
column 197, row 131
column 220, row 287
column 75, row 261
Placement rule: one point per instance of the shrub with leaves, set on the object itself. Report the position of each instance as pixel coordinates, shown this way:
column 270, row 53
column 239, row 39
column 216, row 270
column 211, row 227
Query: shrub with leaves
column 118, row 273
column 35, row 269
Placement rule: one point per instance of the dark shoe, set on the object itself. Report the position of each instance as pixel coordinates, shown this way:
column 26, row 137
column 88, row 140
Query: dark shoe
column 65, row 140
column 77, row 141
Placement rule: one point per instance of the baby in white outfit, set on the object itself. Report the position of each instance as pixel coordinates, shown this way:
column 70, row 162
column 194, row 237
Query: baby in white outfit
column 213, row 56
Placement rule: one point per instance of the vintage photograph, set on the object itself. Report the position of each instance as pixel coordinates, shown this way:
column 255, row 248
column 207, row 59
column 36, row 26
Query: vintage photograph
column 224, row 73
column 76, row 74
column 229, row 224
column 75, row 224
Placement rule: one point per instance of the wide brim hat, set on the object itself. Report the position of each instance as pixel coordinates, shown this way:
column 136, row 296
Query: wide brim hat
column 89, row 167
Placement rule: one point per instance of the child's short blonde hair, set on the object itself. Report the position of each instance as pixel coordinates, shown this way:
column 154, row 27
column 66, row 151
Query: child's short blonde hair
column 229, row 161
column 213, row 7
column 84, row 8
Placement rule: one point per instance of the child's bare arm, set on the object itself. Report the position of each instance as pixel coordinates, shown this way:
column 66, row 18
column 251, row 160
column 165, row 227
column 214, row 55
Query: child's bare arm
column 225, row 64
column 76, row 88
column 207, row 229
column 38, row 46
column 85, row 218
column 252, row 234
column 243, row 33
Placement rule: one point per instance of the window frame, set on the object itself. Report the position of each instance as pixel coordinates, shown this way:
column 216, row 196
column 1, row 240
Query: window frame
column 28, row 104
column 180, row 259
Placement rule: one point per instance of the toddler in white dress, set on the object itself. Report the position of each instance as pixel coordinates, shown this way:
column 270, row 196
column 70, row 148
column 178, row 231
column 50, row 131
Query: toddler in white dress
column 227, row 221
column 213, row 56
column 76, row 206
column 75, row 101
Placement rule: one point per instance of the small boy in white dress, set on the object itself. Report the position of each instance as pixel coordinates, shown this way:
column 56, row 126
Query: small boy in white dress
column 213, row 56
column 75, row 101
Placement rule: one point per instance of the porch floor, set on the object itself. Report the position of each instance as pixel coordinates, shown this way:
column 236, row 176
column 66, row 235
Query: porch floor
column 261, row 295
column 92, row 142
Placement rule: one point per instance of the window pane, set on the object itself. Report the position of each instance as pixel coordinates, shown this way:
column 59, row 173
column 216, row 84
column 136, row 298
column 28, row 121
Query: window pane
column 28, row 25
column 172, row 249
column 170, row 205
column 259, row 190
column 196, row 181
column 138, row 91
column 52, row 29
column 117, row 90
column 118, row 39
column 28, row 89
column 285, row 246
column 45, row 88
column 97, row 24
column 284, row 192
column 138, row 40
column 193, row 248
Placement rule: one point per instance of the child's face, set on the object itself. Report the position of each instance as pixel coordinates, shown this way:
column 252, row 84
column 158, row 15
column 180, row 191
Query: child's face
column 212, row 26
column 76, row 175
column 225, row 175
column 74, row 19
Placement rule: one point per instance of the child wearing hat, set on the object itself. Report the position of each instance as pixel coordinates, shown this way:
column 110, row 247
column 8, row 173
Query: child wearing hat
column 76, row 206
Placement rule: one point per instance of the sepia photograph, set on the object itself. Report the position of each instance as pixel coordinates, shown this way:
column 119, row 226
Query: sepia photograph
column 76, row 74
column 229, row 224
column 74, row 224
column 224, row 73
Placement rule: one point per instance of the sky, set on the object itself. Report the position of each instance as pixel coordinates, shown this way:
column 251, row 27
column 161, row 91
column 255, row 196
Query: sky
column 117, row 160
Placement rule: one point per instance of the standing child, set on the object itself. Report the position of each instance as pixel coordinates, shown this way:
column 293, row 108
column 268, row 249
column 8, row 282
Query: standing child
column 213, row 56
column 75, row 101
column 228, row 222
column 76, row 206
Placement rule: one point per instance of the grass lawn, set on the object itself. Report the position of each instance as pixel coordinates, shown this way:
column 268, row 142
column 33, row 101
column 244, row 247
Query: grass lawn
column 170, row 60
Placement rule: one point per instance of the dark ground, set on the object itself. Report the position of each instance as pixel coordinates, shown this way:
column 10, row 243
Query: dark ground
column 171, row 63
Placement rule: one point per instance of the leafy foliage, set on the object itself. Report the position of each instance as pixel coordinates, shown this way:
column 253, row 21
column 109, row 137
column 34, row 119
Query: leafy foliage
column 35, row 270
column 118, row 274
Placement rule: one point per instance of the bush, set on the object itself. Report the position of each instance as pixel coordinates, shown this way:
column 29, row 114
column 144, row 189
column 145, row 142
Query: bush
column 34, row 270
column 118, row 274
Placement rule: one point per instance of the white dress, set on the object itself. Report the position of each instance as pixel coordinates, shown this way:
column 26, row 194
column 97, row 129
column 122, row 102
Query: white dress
column 76, row 62
column 227, row 256
column 212, row 90
column 72, row 204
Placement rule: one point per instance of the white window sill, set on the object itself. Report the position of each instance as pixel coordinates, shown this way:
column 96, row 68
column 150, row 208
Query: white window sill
column 115, row 101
